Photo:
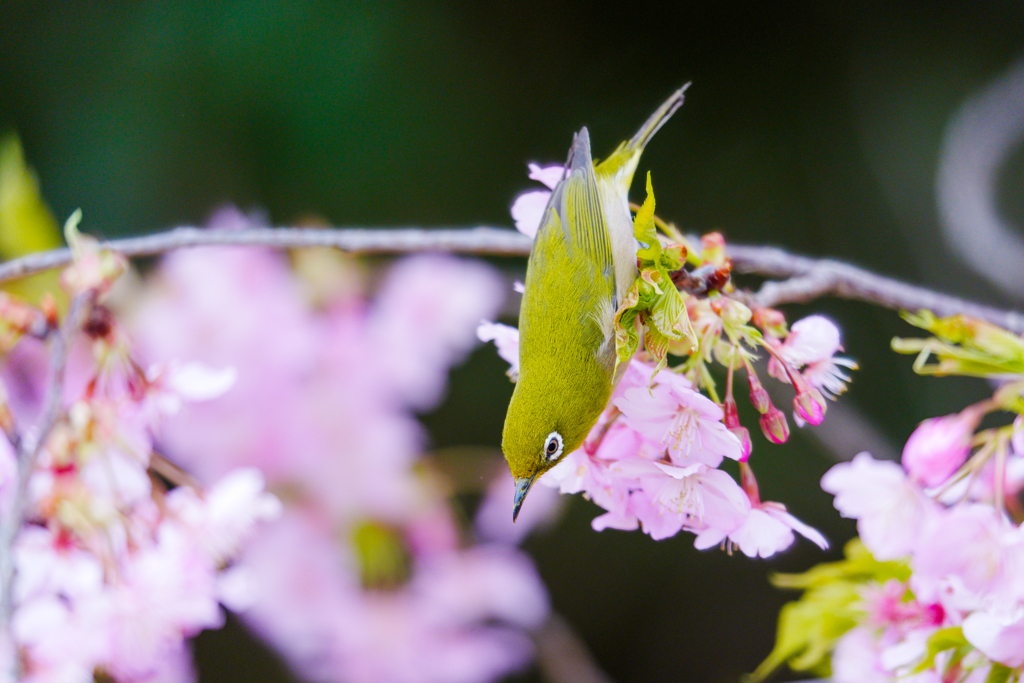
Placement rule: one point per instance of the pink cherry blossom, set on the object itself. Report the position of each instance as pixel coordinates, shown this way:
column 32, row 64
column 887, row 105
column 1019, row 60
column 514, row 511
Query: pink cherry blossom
column 492, row 519
column 420, row 320
column 581, row 472
column 857, row 659
column 167, row 593
column 669, row 498
column 889, row 606
column 998, row 637
column 768, row 529
column 528, row 209
column 506, row 340
column 227, row 514
column 549, row 175
column 938, row 447
column 975, row 550
column 180, row 382
column 685, row 422
column 811, row 345
column 432, row 629
column 890, row 510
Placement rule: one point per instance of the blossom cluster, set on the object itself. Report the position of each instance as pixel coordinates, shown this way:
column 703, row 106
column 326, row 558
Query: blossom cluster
column 652, row 460
column 935, row 593
column 116, row 556
column 368, row 575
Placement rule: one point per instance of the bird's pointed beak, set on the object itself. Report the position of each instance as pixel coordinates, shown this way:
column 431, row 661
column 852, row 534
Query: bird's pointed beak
column 523, row 485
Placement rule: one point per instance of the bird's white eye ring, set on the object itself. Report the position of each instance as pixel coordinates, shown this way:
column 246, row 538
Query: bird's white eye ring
column 553, row 447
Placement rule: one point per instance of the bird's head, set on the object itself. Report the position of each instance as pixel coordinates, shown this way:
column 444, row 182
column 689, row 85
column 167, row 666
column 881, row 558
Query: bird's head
column 538, row 435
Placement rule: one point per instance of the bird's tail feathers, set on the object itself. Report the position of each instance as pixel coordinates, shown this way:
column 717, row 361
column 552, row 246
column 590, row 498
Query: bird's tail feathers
column 623, row 161
column 657, row 120
column 579, row 152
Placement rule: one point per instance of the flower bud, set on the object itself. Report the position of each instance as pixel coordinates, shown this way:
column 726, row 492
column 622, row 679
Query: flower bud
column 938, row 447
column 774, row 425
column 749, row 483
column 769, row 318
column 758, row 394
column 713, row 248
column 810, row 406
column 735, row 313
column 743, row 435
column 732, row 416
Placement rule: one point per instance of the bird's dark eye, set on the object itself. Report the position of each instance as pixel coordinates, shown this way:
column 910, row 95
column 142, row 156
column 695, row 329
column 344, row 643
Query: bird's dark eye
column 553, row 446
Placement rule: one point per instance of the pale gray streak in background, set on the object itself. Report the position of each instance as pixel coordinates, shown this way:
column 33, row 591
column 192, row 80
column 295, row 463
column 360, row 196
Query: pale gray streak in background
column 975, row 147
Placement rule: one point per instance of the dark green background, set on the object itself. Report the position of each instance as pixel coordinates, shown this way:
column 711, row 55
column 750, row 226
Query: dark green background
column 815, row 126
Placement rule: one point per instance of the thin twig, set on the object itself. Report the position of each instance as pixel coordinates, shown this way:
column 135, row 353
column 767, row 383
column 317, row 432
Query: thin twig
column 494, row 241
column 30, row 446
column 806, row 278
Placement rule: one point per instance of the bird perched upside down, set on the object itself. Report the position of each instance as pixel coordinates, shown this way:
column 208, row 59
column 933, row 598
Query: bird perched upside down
column 582, row 264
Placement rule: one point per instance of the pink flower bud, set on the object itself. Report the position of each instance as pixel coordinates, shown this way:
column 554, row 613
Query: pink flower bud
column 774, row 425
column 758, row 395
column 938, row 447
column 731, row 416
column 1017, row 439
column 743, row 435
column 810, row 406
column 749, row 483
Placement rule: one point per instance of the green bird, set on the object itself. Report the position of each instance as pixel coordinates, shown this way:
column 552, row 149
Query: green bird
column 582, row 264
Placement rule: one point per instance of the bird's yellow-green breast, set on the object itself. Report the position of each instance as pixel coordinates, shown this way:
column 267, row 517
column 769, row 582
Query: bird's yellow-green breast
column 582, row 262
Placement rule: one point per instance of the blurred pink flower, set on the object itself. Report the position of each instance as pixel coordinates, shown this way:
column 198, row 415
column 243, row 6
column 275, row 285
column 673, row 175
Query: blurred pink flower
column 998, row 637
column 226, row 516
column 890, row 510
column 422, row 320
column 938, row 447
column 974, row 553
column 506, row 340
column 892, row 605
column 857, row 659
column 323, row 405
column 528, row 208
column 493, row 522
column 458, row 618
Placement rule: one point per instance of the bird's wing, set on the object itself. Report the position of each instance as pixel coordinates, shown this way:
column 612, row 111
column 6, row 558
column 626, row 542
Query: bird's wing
column 570, row 277
column 578, row 201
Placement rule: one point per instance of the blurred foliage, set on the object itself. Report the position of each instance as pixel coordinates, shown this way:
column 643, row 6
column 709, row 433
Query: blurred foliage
column 830, row 606
column 814, row 126
column 26, row 223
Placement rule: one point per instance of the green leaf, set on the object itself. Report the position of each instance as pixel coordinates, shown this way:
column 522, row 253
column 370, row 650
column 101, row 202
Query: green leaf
column 809, row 627
column 657, row 345
column 26, row 223
column 940, row 641
column 644, row 228
column 859, row 565
column 627, row 339
column 999, row 673
column 673, row 257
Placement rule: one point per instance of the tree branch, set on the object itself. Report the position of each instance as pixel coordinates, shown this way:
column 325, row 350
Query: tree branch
column 29, row 448
column 806, row 278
